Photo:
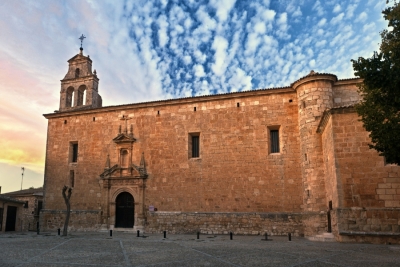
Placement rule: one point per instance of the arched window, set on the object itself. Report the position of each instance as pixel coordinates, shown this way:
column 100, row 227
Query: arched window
column 124, row 158
column 69, row 97
column 81, row 95
column 77, row 73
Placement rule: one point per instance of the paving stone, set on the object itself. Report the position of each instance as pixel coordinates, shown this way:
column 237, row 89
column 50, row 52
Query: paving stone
column 97, row 249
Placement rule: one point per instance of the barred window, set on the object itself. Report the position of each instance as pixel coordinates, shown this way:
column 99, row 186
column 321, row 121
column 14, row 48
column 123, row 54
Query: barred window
column 194, row 145
column 274, row 146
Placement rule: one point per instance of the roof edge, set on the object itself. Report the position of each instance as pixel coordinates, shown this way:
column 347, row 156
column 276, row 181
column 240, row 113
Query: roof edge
column 176, row 101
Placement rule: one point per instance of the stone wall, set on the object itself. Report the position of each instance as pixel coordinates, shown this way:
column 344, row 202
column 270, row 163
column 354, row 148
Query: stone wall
column 29, row 213
column 345, row 93
column 234, row 173
column 280, row 223
column 80, row 220
column 369, row 224
column 4, row 204
column 367, row 182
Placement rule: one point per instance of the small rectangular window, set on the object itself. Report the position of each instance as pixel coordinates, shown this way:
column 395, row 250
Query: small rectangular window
column 72, row 178
column 26, row 205
column 194, row 145
column 74, row 152
column 274, row 139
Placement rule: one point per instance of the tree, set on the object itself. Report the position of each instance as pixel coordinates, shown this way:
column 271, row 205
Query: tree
column 67, row 202
column 380, row 107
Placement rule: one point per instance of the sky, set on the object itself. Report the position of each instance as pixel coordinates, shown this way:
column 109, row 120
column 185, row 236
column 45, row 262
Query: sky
column 153, row 50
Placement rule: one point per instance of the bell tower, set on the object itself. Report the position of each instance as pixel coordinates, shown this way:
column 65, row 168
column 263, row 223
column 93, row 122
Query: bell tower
column 79, row 88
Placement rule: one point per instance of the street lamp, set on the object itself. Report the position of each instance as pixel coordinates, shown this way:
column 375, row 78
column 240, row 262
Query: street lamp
column 22, row 169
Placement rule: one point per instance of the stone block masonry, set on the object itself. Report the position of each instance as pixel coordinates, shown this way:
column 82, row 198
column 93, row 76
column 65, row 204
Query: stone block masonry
column 80, row 220
column 278, row 223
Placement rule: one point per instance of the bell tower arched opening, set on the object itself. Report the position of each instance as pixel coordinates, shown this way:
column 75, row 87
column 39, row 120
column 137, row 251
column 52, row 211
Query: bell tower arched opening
column 124, row 211
column 69, row 97
column 81, row 95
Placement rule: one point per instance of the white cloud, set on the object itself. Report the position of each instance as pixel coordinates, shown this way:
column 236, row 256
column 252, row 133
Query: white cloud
column 223, row 8
column 297, row 13
column 253, row 40
column 337, row 19
column 219, row 45
column 320, row 43
column 240, row 81
column 260, row 28
column 321, row 22
column 187, row 59
column 268, row 15
column 207, row 22
column 200, row 57
column 199, row 70
column 368, row 27
column 318, row 8
column 162, row 32
column 362, row 17
column 350, row 11
column 337, row 8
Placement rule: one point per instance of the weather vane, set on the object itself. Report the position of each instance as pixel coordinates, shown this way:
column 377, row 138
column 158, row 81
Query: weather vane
column 81, row 38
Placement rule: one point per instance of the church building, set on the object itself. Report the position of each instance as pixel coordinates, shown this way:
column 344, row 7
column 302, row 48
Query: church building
column 293, row 159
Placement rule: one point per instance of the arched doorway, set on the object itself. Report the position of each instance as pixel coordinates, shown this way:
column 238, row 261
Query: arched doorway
column 124, row 210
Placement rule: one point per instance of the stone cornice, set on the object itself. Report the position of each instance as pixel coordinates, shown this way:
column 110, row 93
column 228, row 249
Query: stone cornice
column 83, row 78
column 348, row 81
column 314, row 77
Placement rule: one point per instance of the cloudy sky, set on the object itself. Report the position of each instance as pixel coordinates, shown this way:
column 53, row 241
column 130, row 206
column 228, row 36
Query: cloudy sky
column 151, row 50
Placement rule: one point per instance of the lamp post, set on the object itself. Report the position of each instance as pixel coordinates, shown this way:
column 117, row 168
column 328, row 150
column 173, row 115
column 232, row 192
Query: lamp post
column 22, row 169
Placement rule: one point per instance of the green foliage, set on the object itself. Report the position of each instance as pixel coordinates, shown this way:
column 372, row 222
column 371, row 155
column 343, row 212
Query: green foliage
column 380, row 107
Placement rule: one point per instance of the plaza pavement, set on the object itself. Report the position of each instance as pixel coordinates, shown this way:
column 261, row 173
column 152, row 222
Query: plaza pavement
column 126, row 249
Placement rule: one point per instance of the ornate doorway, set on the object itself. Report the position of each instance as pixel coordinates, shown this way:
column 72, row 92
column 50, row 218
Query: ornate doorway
column 124, row 211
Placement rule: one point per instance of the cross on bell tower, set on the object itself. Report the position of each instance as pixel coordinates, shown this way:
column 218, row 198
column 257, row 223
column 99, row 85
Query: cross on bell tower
column 81, row 38
column 79, row 88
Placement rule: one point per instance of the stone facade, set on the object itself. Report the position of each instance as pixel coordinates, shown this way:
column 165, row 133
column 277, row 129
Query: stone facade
column 242, row 179
column 33, row 199
column 11, row 214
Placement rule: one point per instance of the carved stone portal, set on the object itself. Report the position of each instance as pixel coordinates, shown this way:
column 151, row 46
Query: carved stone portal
column 124, row 185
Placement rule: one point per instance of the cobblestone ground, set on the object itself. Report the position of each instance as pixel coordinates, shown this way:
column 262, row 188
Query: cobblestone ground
column 125, row 249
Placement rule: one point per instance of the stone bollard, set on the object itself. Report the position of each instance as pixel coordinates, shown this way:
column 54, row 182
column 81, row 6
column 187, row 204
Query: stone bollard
column 110, row 232
column 138, row 233
column 290, row 236
column 198, row 235
column 231, row 235
column 266, row 238
column 165, row 234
